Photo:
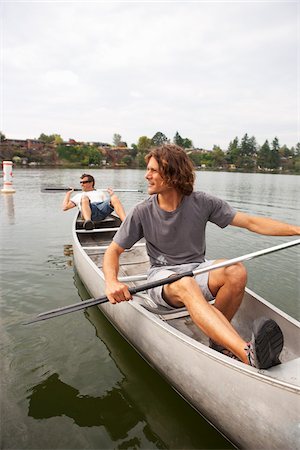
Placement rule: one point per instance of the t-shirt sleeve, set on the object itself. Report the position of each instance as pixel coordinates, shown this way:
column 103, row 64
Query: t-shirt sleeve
column 220, row 212
column 130, row 231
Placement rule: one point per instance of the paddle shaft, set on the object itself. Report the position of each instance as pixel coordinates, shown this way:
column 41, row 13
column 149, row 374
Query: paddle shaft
column 64, row 189
column 134, row 290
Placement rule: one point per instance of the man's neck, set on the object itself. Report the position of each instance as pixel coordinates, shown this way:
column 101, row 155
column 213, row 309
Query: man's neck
column 169, row 200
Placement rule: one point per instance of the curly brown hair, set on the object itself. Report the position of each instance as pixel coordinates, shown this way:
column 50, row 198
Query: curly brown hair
column 175, row 167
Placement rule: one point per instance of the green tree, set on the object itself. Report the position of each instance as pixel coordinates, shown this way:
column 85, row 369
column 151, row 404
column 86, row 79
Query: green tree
column 127, row 160
column 248, row 150
column 50, row 139
column 200, row 159
column 196, row 158
column 182, row 142
column 187, row 143
column 133, row 151
column 217, row 156
column 143, row 146
column 76, row 154
column 159, row 139
column 117, row 138
column 297, row 165
column 285, row 152
column 178, row 140
column 248, row 146
column 264, row 156
column 58, row 139
column 2, row 137
column 245, row 144
column 296, row 158
column 94, row 156
column 144, row 143
column 275, row 156
column 233, row 152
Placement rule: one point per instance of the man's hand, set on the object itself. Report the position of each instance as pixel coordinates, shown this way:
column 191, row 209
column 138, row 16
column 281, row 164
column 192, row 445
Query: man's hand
column 117, row 292
column 67, row 204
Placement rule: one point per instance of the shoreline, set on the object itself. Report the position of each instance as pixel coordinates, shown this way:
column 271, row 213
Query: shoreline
column 121, row 167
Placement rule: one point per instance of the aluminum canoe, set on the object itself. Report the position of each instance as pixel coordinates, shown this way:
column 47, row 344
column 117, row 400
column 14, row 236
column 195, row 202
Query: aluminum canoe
column 254, row 409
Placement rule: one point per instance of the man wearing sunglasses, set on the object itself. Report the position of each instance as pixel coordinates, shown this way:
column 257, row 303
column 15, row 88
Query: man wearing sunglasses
column 93, row 203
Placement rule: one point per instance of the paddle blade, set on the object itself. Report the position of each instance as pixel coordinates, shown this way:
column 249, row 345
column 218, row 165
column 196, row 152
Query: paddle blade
column 67, row 309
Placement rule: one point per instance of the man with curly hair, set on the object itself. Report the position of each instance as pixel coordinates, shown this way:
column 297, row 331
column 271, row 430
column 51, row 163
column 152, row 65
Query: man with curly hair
column 173, row 221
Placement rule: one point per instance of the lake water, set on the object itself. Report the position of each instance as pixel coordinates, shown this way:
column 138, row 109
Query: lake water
column 73, row 382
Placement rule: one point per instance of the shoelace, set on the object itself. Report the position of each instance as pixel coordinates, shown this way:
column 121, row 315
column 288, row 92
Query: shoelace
column 250, row 354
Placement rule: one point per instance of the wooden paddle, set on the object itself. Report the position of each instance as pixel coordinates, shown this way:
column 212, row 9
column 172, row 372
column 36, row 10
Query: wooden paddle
column 54, row 189
column 134, row 290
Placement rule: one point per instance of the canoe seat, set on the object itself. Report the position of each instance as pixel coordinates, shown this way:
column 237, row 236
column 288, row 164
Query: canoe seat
column 109, row 221
column 166, row 313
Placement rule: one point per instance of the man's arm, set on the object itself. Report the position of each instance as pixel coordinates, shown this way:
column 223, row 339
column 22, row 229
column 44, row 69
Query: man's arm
column 67, row 204
column 115, row 291
column 264, row 225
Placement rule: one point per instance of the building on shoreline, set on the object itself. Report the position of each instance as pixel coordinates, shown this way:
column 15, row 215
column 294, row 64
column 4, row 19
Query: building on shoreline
column 25, row 150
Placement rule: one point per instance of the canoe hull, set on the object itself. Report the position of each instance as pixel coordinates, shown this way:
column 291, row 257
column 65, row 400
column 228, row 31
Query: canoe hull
column 210, row 386
column 251, row 409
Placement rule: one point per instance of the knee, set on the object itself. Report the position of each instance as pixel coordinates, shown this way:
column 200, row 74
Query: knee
column 114, row 200
column 237, row 275
column 177, row 288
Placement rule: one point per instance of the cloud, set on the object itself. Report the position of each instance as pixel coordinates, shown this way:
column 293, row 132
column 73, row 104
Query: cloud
column 212, row 71
column 64, row 78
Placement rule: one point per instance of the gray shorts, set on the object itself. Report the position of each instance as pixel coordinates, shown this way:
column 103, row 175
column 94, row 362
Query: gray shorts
column 157, row 273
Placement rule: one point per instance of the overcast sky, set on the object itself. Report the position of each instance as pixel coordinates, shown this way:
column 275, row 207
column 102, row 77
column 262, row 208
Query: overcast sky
column 209, row 70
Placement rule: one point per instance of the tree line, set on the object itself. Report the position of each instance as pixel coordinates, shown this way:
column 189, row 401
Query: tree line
column 243, row 154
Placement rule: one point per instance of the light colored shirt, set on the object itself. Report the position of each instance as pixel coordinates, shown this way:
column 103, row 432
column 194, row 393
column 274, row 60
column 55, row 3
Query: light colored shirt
column 95, row 196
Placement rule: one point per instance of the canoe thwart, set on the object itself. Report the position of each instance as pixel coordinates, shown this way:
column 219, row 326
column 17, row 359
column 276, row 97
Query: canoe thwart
column 98, row 230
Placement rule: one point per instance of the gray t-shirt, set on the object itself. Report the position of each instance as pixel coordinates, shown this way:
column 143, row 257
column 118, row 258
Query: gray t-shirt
column 176, row 237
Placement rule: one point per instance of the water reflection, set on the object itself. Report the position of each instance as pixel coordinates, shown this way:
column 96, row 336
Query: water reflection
column 59, row 261
column 141, row 408
column 167, row 415
column 68, row 249
column 53, row 398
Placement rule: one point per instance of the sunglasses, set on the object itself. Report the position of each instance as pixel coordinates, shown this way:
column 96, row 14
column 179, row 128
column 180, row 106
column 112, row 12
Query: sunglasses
column 84, row 182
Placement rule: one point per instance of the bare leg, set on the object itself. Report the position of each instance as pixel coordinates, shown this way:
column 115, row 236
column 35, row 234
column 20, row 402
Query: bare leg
column 209, row 319
column 228, row 286
column 85, row 208
column 117, row 205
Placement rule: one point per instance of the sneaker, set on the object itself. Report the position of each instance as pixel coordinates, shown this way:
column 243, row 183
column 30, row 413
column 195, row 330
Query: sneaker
column 221, row 349
column 266, row 344
column 88, row 225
